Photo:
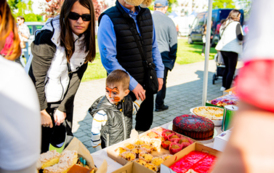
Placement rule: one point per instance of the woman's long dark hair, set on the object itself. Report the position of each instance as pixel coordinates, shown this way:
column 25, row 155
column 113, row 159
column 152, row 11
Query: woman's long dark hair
column 66, row 32
column 233, row 15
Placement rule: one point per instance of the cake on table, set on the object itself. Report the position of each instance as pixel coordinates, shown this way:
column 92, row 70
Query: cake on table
column 195, row 161
column 194, row 126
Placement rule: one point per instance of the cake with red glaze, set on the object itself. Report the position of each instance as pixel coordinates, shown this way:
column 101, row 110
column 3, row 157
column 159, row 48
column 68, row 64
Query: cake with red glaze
column 194, row 126
column 196, row 161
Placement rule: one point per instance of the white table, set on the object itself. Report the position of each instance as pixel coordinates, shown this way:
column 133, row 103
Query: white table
column 101, row 155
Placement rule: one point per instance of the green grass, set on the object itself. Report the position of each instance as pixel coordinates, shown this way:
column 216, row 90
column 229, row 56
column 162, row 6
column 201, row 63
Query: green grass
column 191, row 53
column 186, row 54
column 95, row 70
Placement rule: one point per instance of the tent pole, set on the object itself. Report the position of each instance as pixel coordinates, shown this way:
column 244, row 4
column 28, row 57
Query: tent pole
column 208, row 32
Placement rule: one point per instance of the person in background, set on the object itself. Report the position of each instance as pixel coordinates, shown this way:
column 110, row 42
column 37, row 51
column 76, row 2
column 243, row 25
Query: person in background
column 219, row 26
column 204, row 37
column 230, row 46
column 166, row 36
column 112, row 113
column 250, row 147
column 126, row 36
column 60, row 55
column 24, row 35
column 245, row 28
column 20, row 130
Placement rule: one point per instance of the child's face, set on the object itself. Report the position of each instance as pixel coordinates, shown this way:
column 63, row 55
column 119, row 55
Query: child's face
column 115, row 93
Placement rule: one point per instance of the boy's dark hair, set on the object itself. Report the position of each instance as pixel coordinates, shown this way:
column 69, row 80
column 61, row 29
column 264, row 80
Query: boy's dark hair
column 118, row 76
column 22, row 18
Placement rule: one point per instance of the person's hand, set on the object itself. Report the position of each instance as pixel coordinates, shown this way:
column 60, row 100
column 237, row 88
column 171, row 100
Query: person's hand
column 139, row 92
column 160, row 83
column 98, row 147
column 46, row 119
column 59, row 117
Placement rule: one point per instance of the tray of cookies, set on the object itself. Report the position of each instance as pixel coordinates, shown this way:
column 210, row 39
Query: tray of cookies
column 149, row 149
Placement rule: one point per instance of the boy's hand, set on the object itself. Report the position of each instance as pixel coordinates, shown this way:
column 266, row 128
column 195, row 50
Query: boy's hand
column 139, row 92
column 59, row 117
column 98, row 147
column 46, row 119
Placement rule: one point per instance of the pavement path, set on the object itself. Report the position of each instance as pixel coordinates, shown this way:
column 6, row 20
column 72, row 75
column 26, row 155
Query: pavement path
column 184, row 91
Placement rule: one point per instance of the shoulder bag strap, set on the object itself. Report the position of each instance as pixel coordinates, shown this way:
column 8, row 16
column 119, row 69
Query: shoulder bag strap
column 225, row 28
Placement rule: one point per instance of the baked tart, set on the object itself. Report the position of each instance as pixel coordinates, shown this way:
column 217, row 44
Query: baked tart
column 120, row 150
column 140, row 161
column 146, row 157
column 129, row 146
column 128, row 155
column 157, row 161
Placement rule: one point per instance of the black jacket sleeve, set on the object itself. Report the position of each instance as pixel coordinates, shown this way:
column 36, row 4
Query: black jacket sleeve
column 43, row 50
column 239, row 33
column 75, row 79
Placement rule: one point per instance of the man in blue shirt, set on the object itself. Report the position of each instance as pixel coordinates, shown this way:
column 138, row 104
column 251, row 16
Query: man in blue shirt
column 123, row 29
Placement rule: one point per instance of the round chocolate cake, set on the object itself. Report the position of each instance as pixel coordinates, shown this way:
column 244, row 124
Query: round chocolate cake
column 194, row 126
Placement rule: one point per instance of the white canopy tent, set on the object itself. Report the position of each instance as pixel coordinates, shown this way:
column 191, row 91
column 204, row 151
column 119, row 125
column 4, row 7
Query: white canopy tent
column 209, row 15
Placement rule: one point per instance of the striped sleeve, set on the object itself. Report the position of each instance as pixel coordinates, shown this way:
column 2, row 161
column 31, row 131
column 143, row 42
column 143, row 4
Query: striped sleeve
column 136, row 106
column 99, row 120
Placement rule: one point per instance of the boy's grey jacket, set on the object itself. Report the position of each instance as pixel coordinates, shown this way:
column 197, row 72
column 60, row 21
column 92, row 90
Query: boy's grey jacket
column 119, row 121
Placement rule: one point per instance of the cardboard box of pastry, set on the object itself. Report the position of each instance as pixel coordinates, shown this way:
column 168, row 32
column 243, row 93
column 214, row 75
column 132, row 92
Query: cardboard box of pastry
column 133, row 167
column 165, row 166
column 69, row 160
column 145, row 147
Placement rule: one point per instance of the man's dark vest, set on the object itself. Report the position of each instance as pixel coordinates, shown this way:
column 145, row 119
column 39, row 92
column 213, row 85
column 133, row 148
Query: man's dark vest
column 119, row 122
column 128, row 54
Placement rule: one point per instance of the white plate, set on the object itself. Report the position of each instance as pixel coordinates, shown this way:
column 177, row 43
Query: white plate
column 201, row 141
column 216, row 122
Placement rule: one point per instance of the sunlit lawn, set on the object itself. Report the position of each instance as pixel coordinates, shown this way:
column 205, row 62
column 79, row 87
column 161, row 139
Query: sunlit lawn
column 186, row 54
column 190, row 53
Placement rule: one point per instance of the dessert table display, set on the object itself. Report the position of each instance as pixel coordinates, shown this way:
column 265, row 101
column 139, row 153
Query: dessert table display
column 189, row 143
column 202, row 126
column 149, row 149
column 113, row 165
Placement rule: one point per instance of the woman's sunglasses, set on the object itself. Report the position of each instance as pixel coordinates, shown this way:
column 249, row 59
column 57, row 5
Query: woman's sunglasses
column 76, row 16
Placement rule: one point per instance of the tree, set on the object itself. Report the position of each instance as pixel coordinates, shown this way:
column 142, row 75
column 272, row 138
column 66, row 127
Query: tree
column 13, row 4
column 24, row 9
column 246, row 5
column 223, row 4
column 31, row 17
column 54, row 7
column 170, row 4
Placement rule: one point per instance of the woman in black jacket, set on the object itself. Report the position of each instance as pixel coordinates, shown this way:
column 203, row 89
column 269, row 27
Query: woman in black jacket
column 60, row 54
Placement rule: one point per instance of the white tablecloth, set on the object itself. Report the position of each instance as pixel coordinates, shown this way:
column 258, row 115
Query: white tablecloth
column 101, row 155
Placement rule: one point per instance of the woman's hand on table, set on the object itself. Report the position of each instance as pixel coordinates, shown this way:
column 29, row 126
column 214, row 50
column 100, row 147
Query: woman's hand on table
column 59, row 117
column 46, row 119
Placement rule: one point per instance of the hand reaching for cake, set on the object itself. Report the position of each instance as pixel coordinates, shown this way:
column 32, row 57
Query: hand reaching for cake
column 46, row 119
